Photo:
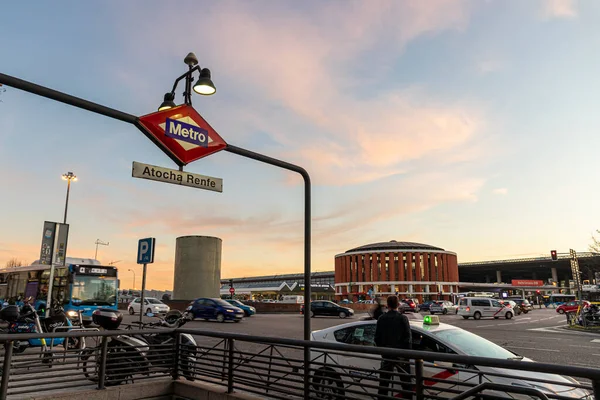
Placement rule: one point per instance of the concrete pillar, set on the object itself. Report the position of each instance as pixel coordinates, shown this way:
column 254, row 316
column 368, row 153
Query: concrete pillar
column 498, row 276
column 383, row 275
column 409, row 272
column 392, row 266
column 418, row 266
column 410, row 290
column 555, row 275
column 374, row 271
column 197, row 267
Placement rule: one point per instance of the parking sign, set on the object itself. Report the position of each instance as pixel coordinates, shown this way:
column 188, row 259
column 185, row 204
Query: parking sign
column 145, row 253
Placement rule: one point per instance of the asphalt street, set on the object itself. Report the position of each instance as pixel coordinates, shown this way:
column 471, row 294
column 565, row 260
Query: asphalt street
column 539, row 335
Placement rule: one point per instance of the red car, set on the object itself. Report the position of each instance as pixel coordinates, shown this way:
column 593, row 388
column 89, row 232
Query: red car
column 571, row 306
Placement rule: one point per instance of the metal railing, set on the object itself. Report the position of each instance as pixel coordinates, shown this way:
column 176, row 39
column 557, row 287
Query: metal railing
column 275, row 368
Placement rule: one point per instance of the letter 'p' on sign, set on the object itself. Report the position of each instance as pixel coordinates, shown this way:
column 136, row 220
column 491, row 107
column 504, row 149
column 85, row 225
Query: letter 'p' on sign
column 145, row 254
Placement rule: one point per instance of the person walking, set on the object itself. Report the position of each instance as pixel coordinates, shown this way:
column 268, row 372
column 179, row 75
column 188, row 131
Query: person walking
column 393, row 331
column 378, row 310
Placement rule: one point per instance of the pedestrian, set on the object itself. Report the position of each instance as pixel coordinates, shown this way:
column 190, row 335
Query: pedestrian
column 378, row 310
column 393, row 331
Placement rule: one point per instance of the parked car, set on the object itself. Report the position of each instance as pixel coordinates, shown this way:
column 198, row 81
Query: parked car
column 483, row 307
column 524, row 305
column 350, row 372
column 443, row 307
column 571, row 306
column 151, row 305
column 248, row 310
column 218, row 309
column 408, row 305
column 425, row 306
column 328, row 308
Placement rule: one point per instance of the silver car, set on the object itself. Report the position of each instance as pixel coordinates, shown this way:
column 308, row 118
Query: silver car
column 443, row 307
column 151, row 305
column 436, row 338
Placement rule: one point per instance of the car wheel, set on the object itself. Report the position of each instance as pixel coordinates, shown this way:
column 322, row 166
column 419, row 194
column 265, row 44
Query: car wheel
column 477, row 315
column 237, row 320
column 312, row 314
column 509, row 315
column 445, row 311
column 220, row 317
column 560, row 311
column 131, row 312
column 327, row 384
column 343, row 314
column 465, row 317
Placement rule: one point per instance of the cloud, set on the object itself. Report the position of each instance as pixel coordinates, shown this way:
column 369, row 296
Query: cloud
column 500, row 191
column 559, row 8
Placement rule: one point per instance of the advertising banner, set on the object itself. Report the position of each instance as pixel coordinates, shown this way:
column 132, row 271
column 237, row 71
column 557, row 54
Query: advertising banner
column 527, row 282
column 47, row 250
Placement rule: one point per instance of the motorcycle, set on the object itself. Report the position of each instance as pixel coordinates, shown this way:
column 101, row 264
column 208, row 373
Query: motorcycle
column 162, row 343
column 27, row 320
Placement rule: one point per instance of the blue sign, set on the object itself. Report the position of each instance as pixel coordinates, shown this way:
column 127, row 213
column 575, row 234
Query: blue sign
column 188, row 133
column 145, row 254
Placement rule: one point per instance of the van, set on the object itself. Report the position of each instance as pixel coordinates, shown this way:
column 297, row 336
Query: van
column 483, row 307
column 292, row 300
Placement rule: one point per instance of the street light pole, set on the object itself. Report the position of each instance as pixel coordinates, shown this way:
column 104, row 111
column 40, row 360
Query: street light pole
column 133, row 277
column 69, row 176
column 98, row 241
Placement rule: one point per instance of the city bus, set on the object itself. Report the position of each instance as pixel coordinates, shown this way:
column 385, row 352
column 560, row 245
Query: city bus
column 82, row 284
column 557, row 299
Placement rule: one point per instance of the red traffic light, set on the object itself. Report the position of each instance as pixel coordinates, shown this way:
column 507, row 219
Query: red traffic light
column 554, row 255
column 537, row 291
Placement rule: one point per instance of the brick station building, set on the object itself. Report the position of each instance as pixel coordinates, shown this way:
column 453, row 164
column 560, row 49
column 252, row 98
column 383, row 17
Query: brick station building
column 408, row 269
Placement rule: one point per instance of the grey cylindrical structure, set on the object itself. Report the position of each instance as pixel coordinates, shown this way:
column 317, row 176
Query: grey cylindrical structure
column 197, row 267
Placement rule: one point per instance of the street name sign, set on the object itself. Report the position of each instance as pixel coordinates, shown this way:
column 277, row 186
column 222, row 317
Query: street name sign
column 168, row 175
column 182, row 134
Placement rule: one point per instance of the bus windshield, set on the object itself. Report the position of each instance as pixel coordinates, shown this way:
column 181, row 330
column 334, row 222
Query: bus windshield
column 94, row 290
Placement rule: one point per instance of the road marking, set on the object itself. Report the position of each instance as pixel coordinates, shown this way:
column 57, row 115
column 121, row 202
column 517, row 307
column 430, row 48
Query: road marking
column 533, row 348
column 484, row 326
column 595, row 340
column 596, row 354
column 524, row 318
column 587, row 347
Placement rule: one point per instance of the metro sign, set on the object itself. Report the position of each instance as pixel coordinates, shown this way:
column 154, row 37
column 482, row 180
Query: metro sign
column 182, row 134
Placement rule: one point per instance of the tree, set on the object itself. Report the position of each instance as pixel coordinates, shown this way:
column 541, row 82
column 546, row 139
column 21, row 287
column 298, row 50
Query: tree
column 595, row 246
column 13, row 262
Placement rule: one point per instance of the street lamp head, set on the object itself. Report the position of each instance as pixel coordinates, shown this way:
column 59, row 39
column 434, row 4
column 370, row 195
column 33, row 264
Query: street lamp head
column 191, row 60
column 168, row 102
column 69, row 176
column 205, row 85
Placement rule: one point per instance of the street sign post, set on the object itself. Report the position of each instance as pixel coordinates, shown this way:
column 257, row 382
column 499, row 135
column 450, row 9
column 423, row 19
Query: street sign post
column 182, row 134
column 183, row 178
column 53, row 252
column 145, row 255
column 231, row 291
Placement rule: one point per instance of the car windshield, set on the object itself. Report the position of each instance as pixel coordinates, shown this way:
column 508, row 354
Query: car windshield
column 471, row 344
column 154, row 301
column 234, row 302
column 94, row 290
column 222, row 302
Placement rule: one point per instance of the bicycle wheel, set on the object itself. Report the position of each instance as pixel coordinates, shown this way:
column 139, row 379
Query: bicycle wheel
column 89, row 362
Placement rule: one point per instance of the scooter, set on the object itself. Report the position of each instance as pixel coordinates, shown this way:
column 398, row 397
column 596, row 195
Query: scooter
column 27, row 320
column 162, row 343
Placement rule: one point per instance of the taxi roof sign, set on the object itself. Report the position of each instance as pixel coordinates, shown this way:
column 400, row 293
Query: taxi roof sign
column 431, row 320
column 182, row 134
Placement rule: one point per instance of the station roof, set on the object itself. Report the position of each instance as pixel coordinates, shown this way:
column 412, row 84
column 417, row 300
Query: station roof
column 394, row 245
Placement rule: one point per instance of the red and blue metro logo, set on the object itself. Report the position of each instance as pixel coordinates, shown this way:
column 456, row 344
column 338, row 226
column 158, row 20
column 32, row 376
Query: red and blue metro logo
column 182, row 133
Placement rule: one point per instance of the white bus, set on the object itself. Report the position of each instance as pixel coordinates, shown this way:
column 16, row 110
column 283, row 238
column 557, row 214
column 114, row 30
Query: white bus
column 292, row 300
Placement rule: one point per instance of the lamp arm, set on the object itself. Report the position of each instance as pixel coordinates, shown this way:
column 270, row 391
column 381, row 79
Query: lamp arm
column 189, row 72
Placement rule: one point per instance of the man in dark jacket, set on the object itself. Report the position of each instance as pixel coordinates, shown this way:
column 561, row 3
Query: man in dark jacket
column 393, row 331
column 378, row 310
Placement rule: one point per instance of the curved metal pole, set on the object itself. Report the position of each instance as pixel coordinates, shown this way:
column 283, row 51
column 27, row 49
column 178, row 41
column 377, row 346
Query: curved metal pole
column 307, row 245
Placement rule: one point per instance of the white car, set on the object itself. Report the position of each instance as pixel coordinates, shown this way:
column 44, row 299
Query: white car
column 483, row 307
column 354, row 372
column 443, row 307
column 151, row 305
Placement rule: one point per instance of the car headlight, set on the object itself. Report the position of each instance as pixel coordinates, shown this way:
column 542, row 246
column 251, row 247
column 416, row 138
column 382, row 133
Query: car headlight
column 252, row 309
column 230, row 310
column 72, row 314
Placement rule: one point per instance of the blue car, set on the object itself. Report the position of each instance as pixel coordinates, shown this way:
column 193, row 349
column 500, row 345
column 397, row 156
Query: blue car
column 215, row 309
column 248, row 310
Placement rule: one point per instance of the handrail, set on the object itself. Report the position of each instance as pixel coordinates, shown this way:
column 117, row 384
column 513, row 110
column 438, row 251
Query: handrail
column 499, row 386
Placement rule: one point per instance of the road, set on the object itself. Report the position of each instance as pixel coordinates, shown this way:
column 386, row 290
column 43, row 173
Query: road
column 539, row 335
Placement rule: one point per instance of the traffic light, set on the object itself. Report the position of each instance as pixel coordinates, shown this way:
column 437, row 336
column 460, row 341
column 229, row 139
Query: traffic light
column 553, row 255
column 537, row 292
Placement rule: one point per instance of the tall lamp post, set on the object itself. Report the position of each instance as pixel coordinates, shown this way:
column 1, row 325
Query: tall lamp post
column 133, row 277
column 98, row 241
column 69, row 176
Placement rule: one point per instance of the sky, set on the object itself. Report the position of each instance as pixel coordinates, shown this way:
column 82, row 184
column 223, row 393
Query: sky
column 468, row 125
